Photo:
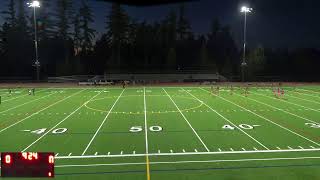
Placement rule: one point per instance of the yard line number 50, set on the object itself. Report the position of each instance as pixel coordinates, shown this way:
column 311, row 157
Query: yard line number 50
column 136, row 129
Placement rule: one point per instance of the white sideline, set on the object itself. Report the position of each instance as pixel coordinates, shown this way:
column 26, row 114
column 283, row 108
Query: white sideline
column 39, row 111
column 262, row 117
column 185, row 162
column 228, row 121
column 189, row 153
column 49, row 131
column 104, row 120
column 194, row 131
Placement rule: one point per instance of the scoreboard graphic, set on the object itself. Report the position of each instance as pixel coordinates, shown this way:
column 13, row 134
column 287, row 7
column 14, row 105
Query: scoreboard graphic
column 27, row 164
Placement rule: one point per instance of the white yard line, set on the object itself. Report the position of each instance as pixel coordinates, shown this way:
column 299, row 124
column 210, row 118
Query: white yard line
column 49, row 131
column 277, row 108
column 228, row 121
column 185, row 162
column 287, row 102
column 189, row 153
column 104, row 120
column 26, row 103
column 262, row 117
column 194, row 131
column 39, row 111
column 145, row 120
column 303, row 99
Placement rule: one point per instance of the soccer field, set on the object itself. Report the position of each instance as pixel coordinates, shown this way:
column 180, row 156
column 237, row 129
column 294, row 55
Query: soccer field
column 172, row 133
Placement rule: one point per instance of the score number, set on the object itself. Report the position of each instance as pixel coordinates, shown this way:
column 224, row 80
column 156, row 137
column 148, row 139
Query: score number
column 136, row 129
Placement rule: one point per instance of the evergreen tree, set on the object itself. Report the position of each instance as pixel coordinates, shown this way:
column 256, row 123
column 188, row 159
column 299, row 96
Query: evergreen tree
column 86, row 17
column 10, row 14
column 183, row 25
column 117, row 30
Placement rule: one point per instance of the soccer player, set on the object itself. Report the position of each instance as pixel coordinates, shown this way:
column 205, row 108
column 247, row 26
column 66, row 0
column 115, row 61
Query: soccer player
column 123, row 84
column 10, row 91
column 29, row 92
column 218, row 90
column 33, row 91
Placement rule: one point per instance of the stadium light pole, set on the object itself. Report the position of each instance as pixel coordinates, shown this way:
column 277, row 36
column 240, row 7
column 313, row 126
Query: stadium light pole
column 244, row 10
column 34, row 5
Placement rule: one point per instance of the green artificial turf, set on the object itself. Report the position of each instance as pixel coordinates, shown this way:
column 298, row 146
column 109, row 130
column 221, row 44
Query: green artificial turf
column 178, row 133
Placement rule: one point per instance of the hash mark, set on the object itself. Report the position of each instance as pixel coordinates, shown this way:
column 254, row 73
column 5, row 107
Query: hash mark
column 96, row 153
column 231, row 149
column 278, row 148
column 312, row 147
column 300, row 147
column 219, row 149
column 57, row 154
column 69, row 154
column 195, row 150
column 183, row 150
column 255, row 148
column 289, row 147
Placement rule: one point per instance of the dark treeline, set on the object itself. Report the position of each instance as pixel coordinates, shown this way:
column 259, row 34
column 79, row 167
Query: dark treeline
column 68, row 45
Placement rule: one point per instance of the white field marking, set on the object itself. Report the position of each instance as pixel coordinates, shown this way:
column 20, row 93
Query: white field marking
column 309, row 90
column 56, row 154
column 183, row 150
column 231, row 149
column 290, row 147
column 279, row 148
column 108, row 153
column 171, row 151
column 287, row 102
column 145, row 122
column 54, row 127
column 312, row 147
column 244, row 149
column 185, row 162
column 262, row 117
column 121, row 152
column 104, row 120
column 255, row 148
column 39, row 111
column 304, row 99
column 306, row 94
column 189, row 153
column 194, row 131
column 220, row 150
column 300, row 147
column 197, row 150
column 159, row 151
column 96, row 153
column 25, row 103
column 22, row 96
column 229, row 121
column 134, row 152
column 278, row 108
column 70, row 154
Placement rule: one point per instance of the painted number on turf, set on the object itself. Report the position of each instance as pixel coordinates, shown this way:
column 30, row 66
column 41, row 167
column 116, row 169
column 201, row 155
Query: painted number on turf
column 242, row 126
column 55, row 131
column 313, row 125
column 136, row 129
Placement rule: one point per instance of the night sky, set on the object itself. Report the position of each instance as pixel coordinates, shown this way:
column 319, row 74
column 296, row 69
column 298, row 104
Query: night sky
column 274, row 23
